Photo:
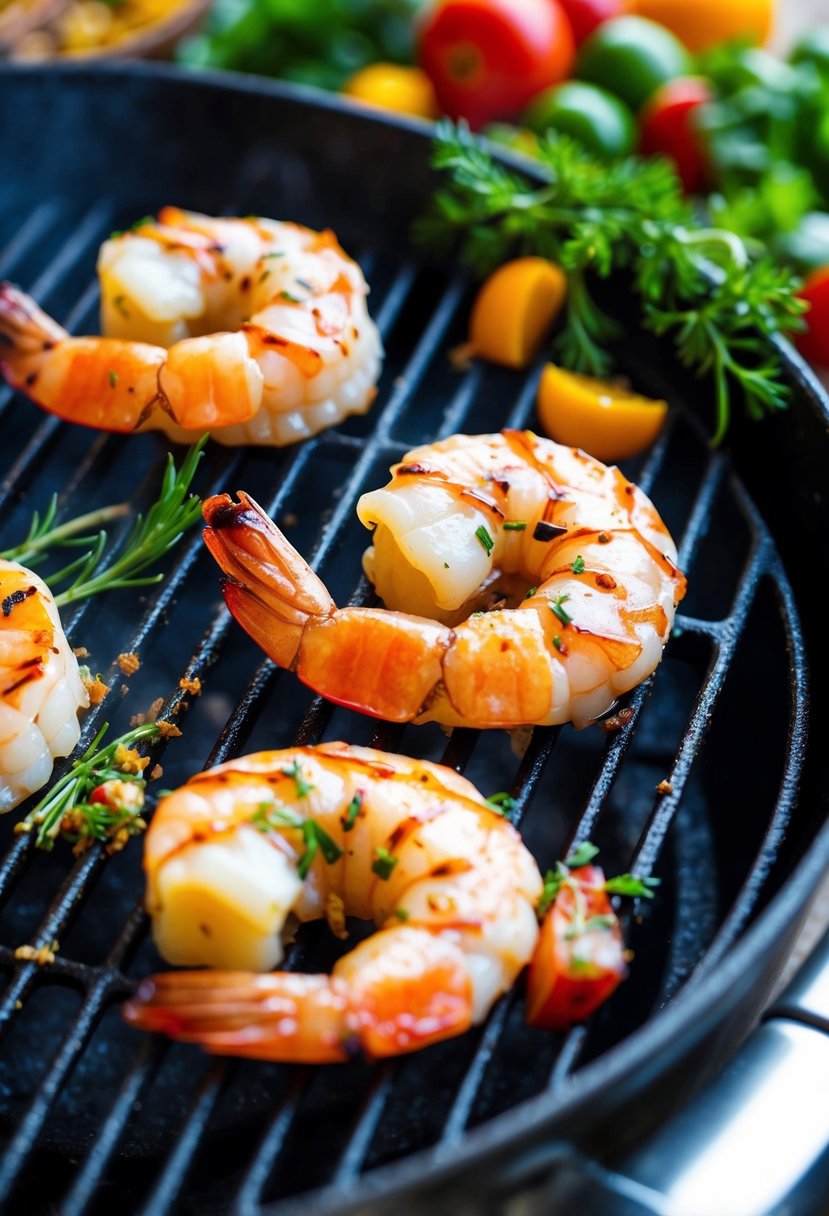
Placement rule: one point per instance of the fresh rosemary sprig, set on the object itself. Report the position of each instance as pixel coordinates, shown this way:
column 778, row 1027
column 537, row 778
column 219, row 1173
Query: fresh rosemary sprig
column 695, row 283
column 100, row 798
column 173, row 512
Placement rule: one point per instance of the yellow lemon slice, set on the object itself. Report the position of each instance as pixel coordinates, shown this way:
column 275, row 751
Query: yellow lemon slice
column 514, row 309
column 609, row 422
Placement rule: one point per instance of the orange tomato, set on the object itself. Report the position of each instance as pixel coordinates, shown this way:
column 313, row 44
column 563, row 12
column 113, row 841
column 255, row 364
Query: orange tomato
column 514, row 309
column 392, row 87
column 701, row 24
column 609, row 422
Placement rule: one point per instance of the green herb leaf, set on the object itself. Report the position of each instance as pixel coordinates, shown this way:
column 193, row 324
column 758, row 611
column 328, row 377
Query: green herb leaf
column 383, row 863
column 514, row 525
column 502, row 802
column 561, row 613
column 553, row 880
column 66, row 809
column 402, row 914
column 577, row 565
column 632, row 886
column 352, row 811
column 303, row 787
column 581, row 855
column 486, row 540
column 271, row 816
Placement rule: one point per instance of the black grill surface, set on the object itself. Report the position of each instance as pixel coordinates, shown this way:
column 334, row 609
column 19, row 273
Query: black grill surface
column 98, row 1118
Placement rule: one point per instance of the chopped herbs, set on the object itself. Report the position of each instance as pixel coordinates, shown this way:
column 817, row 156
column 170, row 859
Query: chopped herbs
column 632, row 886
column 559, row 611
column 487, row 543
column 514, row 525
column 100, row 798
column 557, row 641
column 502, row 802
column 303, row 787
column 286, row 295
column 577, row 566
column 112, row 377
column 582, row 855
column 553, row 880
column 530, row 593
column 383, row 863
column 274, row 816
column 402, row 914
column 270, row 816
column 351, row 812
column 277, row 253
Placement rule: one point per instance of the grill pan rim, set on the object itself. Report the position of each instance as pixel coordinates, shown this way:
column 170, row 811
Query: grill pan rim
column 683, row 1020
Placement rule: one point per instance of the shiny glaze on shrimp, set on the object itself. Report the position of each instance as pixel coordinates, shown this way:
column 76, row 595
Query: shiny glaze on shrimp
column 40, row 685
column 570, row 559
column 409, row 844
column 253, row 329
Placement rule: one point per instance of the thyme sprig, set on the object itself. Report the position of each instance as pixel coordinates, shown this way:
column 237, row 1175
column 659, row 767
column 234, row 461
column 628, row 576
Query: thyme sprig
column 694, row 283
column 174, row 511
column 67, row 808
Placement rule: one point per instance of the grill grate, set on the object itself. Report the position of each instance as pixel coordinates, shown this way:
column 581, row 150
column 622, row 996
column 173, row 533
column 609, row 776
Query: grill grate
column 89, row 1108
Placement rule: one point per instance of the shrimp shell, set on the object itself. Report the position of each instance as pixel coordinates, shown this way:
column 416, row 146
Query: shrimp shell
column 409, row 844
column 525, row 583
column 40, row 686
column 254, row 329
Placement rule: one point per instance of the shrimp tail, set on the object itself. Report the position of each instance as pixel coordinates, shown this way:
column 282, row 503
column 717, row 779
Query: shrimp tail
column 237, row 1013
column 412, row 992
column 270, row 590
column 25, row 332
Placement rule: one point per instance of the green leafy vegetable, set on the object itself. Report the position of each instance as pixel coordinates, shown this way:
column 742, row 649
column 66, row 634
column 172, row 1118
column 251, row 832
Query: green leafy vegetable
column 68, row 809
column 695, row 284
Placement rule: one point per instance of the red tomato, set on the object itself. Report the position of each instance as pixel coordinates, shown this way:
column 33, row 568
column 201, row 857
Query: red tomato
column 578, row 961
column 666, row 125
column 488, row 58
column 813, row 343
column 587, row 15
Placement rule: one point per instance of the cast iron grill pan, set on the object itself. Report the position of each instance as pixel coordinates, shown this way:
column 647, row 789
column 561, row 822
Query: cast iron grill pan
column 98, row 1118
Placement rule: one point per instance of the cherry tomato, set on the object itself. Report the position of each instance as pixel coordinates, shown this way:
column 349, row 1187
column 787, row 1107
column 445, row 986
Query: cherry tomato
column 813, row 343
column 587, row 15
column 392, row 87
column 701, row 24
column 579, row 960
column 597, row 119
column 487, row 58
column 666, row 125
column 632, row 57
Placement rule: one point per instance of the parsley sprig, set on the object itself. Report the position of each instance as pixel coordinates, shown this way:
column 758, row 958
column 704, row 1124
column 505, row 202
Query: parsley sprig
column 694, row 283
column 67, row 809
column 174, row 511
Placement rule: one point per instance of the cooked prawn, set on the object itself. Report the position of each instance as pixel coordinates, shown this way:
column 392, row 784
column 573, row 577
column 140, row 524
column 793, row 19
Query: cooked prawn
column 253, row 329
column 571, row 561
column 40, row 686
column 410, row 844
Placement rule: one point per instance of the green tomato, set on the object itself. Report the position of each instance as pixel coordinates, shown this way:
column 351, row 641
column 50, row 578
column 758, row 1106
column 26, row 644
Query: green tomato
column 632, row 57
column 597, row 119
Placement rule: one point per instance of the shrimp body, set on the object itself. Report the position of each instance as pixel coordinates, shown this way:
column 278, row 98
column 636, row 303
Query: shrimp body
column 40, row 686
column 409, row 844
column 524, row 582
column 253, row 329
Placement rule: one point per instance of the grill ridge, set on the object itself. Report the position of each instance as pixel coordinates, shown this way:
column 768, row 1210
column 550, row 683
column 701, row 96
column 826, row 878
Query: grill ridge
column 261, row 685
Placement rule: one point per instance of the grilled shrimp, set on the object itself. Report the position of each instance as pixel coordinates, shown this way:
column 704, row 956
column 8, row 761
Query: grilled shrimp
column 330, row 831
column 524, row 583
column 40, row 686
column 252, row 329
